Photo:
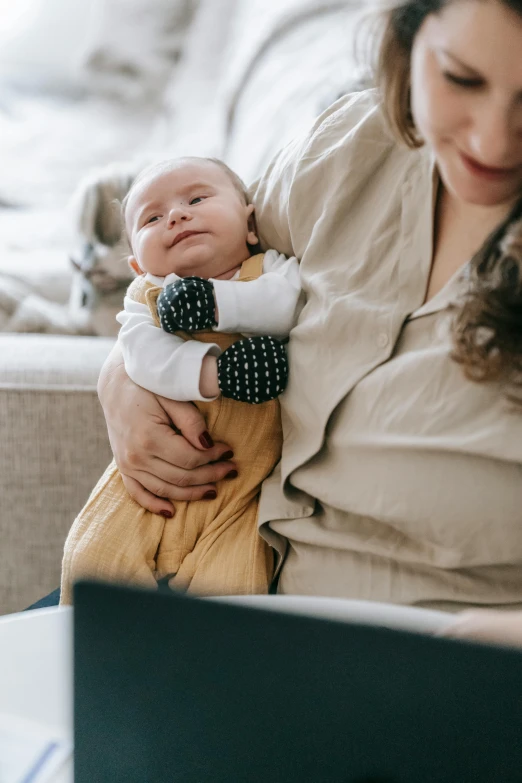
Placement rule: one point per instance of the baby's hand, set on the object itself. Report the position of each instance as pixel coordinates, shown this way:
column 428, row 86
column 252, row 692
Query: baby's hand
column 253, row 370
column 187, row 304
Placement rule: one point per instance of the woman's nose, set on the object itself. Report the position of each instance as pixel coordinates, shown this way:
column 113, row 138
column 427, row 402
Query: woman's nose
column 178, row 215
column 493, row 137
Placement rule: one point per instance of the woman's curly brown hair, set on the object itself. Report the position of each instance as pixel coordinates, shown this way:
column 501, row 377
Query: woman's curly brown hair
column 487, row 328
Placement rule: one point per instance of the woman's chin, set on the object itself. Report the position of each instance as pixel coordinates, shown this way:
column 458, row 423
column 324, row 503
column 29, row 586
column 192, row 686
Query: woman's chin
column 470, row 189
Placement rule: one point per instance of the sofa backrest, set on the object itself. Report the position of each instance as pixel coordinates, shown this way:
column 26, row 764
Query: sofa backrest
column 254, row 74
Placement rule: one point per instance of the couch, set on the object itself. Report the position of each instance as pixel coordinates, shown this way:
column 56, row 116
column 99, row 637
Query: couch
column 248, row 76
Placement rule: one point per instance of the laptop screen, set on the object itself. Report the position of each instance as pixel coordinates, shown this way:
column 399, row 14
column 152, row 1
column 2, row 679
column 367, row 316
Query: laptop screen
column 170, row 688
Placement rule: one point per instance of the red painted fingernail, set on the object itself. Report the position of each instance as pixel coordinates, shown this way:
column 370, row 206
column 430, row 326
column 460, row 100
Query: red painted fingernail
column 167, row 514
column 226, row 456
column 210, row 495
column 206, row 441
column 231, row 475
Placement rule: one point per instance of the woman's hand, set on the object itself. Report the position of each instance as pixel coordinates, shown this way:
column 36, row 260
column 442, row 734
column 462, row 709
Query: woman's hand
column 158, row 462
column 485, row 625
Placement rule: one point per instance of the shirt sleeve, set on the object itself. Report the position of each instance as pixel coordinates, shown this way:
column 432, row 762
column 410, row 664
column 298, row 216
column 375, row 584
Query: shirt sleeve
column 271, row 192
column 270, row 195
column 160, row 362
column 283, row 221
column 269, row 305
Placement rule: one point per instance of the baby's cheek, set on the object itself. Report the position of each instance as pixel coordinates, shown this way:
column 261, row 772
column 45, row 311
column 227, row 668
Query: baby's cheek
column 152, row 258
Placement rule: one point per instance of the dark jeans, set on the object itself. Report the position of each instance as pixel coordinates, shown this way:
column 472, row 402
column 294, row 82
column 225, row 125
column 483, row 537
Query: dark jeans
column 53, row 599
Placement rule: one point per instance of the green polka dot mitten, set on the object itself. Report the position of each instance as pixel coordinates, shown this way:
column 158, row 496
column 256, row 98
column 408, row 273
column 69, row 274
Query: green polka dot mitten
column 187, row 304
column 253, row 370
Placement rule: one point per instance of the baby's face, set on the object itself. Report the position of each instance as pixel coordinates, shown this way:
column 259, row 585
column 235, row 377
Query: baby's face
column 189, row 220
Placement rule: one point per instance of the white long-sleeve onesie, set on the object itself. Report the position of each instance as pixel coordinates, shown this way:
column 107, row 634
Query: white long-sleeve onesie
column 170, row 366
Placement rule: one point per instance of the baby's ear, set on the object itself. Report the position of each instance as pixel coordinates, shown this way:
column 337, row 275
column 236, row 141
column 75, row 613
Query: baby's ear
column 134, row 265
column 252, row 237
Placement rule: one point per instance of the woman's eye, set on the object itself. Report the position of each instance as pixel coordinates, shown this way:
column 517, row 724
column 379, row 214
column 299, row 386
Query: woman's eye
column 461, row 81
column 196, row 199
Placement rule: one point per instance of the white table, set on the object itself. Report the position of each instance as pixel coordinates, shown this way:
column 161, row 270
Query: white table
column 36, row 650
column 36, row 670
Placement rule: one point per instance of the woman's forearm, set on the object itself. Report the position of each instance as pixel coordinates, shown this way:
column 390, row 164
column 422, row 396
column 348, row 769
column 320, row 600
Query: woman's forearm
column 486, row 625
column 112, row 369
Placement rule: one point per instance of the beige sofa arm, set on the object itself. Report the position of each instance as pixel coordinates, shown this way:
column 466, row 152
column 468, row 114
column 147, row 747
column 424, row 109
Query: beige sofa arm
column 53, row 449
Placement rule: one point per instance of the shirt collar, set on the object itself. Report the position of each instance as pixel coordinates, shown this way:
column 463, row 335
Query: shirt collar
column 456, row 286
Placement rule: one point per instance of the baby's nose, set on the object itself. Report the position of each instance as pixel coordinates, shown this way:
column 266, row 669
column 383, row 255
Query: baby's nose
column 177, row 214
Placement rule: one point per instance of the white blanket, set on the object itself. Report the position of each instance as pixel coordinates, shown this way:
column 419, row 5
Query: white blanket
column 229, row 42
column 252, row 75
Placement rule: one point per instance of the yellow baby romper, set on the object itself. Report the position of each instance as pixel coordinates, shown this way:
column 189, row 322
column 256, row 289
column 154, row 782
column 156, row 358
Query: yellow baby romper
column 209, row 547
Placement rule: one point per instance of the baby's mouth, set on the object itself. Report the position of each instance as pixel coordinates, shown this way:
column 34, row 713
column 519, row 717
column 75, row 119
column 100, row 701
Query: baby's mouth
column 184, row 235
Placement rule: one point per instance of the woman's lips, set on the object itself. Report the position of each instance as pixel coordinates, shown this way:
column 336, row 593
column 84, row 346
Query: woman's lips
column 483, row 171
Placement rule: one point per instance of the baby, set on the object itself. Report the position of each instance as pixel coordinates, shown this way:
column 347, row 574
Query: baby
column 199, row 291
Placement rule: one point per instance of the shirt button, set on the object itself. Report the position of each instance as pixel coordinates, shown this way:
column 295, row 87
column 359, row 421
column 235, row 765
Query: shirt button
column 383, row 340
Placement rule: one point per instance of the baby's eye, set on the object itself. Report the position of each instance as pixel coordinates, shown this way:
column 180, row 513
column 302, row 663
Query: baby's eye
column 196, row 199
column 152, row 219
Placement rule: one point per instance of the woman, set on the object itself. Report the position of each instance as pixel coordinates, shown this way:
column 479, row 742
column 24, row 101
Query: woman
column 401, row 472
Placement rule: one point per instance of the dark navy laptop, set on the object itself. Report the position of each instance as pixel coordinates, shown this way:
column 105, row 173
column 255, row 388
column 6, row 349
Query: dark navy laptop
column 170, row 688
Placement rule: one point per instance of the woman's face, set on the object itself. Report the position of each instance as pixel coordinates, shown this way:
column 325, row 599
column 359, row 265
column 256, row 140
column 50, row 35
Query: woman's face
column 466, row 96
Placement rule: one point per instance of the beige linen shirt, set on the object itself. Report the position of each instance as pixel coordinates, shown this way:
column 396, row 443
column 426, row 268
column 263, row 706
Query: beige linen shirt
column 400, row 480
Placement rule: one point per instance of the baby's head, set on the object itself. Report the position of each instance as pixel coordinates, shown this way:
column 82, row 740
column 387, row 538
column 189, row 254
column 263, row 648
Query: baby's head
column 190, row 216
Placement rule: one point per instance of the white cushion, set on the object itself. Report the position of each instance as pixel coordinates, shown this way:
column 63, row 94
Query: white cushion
column 42, row 42
column 34, row 252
